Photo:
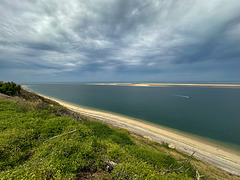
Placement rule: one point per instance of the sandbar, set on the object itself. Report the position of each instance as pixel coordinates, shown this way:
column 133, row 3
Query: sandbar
column 167, row 84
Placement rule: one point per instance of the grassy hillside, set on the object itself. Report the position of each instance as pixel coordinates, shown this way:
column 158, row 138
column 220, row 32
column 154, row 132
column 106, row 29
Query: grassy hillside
column 39, row 139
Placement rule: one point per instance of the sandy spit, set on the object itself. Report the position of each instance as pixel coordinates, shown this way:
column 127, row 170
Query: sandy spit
column 168, row 84
column 223, row 158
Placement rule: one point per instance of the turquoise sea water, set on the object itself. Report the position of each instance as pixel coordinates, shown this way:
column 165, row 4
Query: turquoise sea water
column 213, row 113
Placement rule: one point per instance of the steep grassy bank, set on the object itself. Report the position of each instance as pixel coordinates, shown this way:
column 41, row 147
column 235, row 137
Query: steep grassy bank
column 39, row 139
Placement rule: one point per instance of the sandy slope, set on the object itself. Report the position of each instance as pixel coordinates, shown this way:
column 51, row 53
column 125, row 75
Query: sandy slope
column 223, row 158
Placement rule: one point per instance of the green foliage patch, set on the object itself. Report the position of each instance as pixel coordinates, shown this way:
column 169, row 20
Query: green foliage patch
column 9, row 88
column 35, row 143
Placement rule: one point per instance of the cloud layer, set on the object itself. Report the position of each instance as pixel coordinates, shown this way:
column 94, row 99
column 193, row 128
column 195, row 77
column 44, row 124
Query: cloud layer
column 121, row 40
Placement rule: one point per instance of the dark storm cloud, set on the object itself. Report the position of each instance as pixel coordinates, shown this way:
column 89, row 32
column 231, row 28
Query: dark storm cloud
column 119, row 36
column 216, row 46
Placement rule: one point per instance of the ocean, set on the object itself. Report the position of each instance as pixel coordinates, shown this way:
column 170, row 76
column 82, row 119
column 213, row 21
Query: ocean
column 211, row 113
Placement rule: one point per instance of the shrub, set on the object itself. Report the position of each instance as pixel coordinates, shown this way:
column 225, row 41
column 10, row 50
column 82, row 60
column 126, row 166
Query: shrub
column 10, row 88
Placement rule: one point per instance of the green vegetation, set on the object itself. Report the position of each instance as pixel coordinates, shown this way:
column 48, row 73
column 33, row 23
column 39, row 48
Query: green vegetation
column 9, row 88
column 39, row 139
column 28, row 152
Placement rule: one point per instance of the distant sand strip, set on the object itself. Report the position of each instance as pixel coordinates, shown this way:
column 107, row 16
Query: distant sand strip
column 221, row 157
column 167, row 84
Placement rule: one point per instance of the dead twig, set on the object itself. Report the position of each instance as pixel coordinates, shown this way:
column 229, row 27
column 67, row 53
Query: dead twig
column 60, row 135
column 182, row 159
column 178, row 169
column 198, row 176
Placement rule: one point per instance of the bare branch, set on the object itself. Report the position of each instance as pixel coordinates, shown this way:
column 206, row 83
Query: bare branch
column 197, row 172
column 180, row 168
column 60, row 135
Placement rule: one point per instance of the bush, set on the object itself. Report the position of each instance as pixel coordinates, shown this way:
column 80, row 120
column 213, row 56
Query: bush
column 10, row 88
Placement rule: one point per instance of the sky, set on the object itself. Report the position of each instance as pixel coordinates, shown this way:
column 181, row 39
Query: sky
column 119, row 40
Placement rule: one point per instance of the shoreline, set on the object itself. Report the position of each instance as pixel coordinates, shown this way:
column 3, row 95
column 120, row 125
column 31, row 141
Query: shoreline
column 166, row 85
column 221, row 157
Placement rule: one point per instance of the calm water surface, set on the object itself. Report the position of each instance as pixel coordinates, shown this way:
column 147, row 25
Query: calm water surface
column 210, row 112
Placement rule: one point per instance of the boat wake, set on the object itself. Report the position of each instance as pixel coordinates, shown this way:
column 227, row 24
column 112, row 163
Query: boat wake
column 182, row 96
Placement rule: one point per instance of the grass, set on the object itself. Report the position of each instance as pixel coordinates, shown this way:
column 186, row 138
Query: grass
column 28, row 152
